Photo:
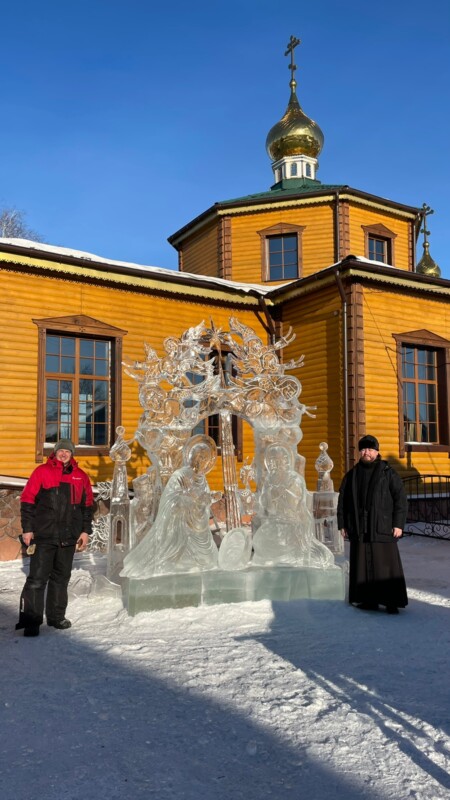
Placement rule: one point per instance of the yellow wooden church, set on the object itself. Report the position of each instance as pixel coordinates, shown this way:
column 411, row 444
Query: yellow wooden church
column 338, row 265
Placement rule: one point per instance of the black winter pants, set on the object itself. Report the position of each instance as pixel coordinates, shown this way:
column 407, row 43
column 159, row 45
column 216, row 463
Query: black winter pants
column 50, row 566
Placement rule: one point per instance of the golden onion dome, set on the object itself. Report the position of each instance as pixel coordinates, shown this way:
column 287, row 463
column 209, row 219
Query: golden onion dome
column 427, row 265
column 295, row 134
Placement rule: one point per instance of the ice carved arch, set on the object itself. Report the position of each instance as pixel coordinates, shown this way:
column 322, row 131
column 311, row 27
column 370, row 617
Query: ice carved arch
column 181, row 388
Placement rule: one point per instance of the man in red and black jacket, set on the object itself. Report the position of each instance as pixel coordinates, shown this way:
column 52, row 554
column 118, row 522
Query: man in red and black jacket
column 56, row 513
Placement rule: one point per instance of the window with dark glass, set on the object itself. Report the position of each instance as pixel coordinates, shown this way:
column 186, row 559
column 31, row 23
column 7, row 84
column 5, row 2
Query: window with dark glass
column 379, row 249
column 282, row 257
column 420, row 394
column 77, row 389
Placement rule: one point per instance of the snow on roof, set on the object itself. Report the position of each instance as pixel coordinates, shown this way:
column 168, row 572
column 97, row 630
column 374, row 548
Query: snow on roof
column 67, row 252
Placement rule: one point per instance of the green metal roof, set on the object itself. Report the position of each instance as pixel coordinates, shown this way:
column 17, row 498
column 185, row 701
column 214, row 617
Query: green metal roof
column 286, row 188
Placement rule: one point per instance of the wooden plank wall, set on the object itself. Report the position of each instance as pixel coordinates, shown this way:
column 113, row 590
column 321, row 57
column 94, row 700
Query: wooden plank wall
column 201, row 251
column 387, row 312
column 146, row 318
column 360, row 215
column 317, row 239
column 317, row 322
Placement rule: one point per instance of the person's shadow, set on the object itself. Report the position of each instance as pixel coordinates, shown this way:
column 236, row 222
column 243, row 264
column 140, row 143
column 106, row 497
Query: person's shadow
column 388, row 669
column 93, row 716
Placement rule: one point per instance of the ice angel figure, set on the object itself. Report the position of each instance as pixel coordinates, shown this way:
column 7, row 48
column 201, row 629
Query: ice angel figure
column 286, row 534
column 180, row 540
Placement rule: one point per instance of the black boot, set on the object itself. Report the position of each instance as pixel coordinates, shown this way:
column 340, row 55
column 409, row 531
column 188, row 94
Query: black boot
column 28, row 622
column 391, row 610
column 32, row 630
column 61, row 624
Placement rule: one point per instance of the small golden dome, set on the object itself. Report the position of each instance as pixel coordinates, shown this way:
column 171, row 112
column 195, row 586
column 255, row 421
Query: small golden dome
column 427, row 265
column 295, row 134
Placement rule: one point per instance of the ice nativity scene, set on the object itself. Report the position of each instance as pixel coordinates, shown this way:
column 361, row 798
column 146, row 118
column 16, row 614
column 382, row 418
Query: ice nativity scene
column 263, row 535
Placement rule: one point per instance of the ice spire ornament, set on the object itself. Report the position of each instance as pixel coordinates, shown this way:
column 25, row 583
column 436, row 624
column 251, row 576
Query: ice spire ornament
column 119, row 537
column 324, row 465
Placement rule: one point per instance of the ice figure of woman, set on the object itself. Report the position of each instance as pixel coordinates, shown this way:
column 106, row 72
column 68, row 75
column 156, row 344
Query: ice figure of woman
column 286, row 533
column 180, row 539
column 144, row 505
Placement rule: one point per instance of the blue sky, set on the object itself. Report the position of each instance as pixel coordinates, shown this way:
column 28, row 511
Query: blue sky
column 123, row 121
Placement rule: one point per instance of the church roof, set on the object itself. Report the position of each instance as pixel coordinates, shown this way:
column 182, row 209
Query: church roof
column 289, row 187
column 288, row 192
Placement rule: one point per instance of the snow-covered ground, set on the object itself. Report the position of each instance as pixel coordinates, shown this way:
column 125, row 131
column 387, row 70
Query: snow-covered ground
column 308, row 700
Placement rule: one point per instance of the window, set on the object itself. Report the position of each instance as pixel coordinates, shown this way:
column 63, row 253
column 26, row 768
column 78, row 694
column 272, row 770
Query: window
column 282, row 257
column 379, row 243
column 424, row 372
column 78, row 388
column 281, row 252
column 378, row 249
column 79, row 392
column 420, row 394
column 294, row 169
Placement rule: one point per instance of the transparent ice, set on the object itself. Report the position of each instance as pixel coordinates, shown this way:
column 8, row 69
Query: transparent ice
column 180, row 540
column 286, row 531
column 325, row 504
column 208, row 371
column 235, row 549
column 119, row 532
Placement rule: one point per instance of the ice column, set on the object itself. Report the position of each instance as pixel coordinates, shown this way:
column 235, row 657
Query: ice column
column 119, row 535
column 325, row 504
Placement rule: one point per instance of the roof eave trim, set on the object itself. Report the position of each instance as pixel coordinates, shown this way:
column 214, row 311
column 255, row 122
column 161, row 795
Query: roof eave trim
column 299, row 198
column 178, row 283
column 351, row 269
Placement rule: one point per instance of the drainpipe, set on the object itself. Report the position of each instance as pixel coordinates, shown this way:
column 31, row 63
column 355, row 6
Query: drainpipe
column 337, row 242
column 345, row 346
column 337, row 258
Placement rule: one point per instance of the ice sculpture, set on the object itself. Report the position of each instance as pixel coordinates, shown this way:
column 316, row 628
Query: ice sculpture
column 235, row 549
column 180, row 539
column 286, row 532
column 246, row 495
column 324, row 465
column 325, row 504
column 170, row 415
column 174, row 560
column 144, row 505
column 119, row 533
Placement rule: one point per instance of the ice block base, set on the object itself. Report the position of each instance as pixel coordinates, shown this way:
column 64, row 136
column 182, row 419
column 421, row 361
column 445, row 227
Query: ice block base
column 220, row 586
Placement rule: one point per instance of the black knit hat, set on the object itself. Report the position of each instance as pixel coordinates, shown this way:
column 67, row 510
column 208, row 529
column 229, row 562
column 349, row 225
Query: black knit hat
column 64, row 444
column 368, row 441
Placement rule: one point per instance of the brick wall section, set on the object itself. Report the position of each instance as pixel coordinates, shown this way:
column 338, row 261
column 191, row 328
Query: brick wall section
column 10, row 527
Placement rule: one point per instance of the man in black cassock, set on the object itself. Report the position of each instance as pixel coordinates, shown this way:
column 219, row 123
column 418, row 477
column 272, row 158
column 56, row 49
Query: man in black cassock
column 372, row 514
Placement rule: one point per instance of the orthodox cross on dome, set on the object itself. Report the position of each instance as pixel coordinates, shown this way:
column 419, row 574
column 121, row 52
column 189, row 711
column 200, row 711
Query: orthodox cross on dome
column 292, row 44
column 426, row 211
column 427, row 265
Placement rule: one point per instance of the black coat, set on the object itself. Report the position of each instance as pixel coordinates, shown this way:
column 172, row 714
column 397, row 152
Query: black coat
column 57, row 502
column 386, row 505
